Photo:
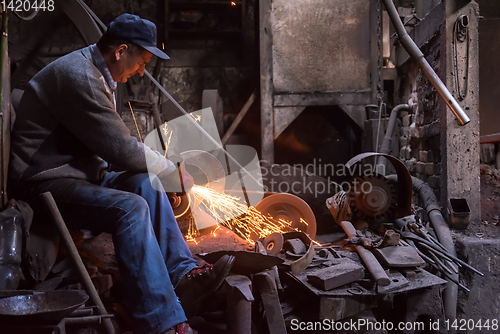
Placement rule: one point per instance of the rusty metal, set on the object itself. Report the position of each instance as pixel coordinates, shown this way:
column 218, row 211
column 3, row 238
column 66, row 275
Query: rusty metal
column 337, row 275
column 397, row 281
column 77, row 260
column 245, row 263
column 368, row 258
column 303, row 261
column 265, row 284
column 399, row 256
column 377, row 202
column 295, row 246
column 339, row 207
column 239, row 304
column 88, row 320
column 404, row 182
column 436, row 249
column 290, row 208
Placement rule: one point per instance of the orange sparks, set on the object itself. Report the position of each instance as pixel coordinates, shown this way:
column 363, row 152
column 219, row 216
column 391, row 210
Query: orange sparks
column 233, row 3
column 168, row 134
column 217, row 228
column 230, row 211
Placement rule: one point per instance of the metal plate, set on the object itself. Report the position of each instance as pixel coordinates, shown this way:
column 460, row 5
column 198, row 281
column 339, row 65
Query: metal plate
column 290, row 208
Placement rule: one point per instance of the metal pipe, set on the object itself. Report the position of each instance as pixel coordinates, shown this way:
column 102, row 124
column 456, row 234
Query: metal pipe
column 386, row 144
column 77, row 260
column 443, row 233
column 416, row 54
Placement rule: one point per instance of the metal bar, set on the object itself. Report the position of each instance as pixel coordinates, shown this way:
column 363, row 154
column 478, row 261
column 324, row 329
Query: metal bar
column 454, row 258
column 490, row 139
column 77, row 260
column 90, row 320
column 207, row 135
column 416, row 54
column 238, row 119
column 450, row 278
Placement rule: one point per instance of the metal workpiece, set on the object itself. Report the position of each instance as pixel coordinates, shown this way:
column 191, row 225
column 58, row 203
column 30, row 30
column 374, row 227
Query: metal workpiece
column 418, row 56
column 239, row 304
column 265, row 284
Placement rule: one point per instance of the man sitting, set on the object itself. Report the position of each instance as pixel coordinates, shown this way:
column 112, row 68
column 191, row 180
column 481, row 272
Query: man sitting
column 67, row 132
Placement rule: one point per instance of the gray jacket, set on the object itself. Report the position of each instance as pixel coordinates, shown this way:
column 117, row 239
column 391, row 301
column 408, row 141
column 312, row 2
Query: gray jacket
column 67, row 126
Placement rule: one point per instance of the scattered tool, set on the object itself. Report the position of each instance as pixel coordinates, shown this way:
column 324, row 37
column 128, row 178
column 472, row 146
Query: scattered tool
column 435, row 254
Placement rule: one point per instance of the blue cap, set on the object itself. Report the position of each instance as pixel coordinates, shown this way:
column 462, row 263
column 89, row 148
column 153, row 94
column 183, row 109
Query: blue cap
column 131, row 28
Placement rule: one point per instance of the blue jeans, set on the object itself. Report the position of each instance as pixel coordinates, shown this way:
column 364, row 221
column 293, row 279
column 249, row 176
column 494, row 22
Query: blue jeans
column 150, row 250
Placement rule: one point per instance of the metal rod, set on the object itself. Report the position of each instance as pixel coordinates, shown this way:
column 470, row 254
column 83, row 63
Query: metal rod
column 454, row 258
column 450, row 278
column 207, row 135
column 77, row 260
column 416, row 54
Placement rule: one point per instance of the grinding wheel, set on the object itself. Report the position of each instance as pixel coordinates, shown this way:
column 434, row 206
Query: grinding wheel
column 291, row 208
column 180, row 205
column 273, row 243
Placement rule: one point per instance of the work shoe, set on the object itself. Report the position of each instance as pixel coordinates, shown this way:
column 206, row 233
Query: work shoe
column 202, row 281
column 182, row 328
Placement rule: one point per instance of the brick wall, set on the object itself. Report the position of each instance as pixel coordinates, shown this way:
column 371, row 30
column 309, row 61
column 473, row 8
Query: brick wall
column 419, row 137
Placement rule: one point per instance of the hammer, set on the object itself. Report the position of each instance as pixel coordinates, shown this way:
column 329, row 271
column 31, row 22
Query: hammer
column 368, row 258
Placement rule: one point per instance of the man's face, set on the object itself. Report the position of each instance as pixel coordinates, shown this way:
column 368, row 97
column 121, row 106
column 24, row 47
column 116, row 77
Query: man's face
column 130, row 64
